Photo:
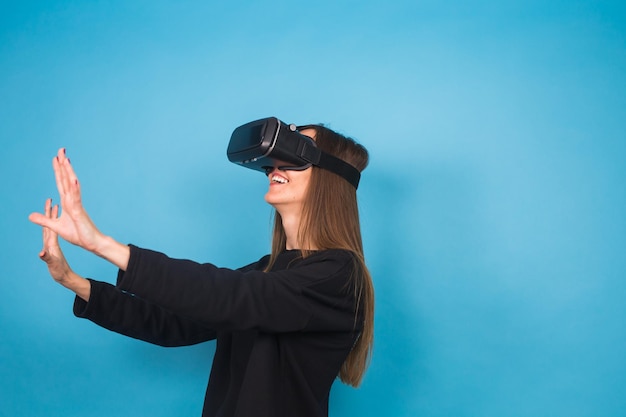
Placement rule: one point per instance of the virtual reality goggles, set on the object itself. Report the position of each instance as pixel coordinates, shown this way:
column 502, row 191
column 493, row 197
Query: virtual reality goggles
column 267, row 143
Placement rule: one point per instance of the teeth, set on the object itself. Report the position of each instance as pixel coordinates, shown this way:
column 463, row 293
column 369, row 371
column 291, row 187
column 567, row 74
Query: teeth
column 279, row 179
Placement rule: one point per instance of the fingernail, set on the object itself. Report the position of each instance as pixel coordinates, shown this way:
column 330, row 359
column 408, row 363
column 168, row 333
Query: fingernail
column 68, row 161
column 57, row 159
column 63, row 151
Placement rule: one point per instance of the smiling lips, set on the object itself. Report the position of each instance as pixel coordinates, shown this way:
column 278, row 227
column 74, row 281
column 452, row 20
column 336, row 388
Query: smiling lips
column 279, row 179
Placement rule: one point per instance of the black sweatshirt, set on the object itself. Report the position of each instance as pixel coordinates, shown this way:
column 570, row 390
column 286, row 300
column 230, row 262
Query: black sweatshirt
column 282, row 335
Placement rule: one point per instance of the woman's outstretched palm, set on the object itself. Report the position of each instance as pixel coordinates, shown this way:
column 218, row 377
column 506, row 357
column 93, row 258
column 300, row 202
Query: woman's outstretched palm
column 73, row 225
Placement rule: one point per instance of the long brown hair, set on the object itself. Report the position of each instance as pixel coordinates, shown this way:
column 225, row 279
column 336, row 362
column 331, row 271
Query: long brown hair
column 330, row 220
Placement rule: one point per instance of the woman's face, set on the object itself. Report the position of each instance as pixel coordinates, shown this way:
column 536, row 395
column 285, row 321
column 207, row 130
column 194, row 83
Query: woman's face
column 288, row 188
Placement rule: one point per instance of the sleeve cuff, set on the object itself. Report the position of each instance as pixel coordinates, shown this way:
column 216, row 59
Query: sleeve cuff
column 83, row 308
column 125, row 279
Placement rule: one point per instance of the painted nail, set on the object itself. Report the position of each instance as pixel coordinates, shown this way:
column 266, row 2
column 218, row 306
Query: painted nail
column 63, row 151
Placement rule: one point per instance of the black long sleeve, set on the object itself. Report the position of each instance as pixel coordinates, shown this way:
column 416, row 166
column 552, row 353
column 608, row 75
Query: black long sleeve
column 311, row 295
column 282, row 336
column 132, row 316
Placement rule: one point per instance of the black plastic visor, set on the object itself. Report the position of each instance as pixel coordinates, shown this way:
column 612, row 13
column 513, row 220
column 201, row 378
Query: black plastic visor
column 267, row 143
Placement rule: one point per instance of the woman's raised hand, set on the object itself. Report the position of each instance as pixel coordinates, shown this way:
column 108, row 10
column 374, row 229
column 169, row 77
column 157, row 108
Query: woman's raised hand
column 53, row 256
column 73, row 225
column 51, row 253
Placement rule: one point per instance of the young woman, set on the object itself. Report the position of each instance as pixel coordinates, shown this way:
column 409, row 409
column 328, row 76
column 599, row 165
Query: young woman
column 286, row 326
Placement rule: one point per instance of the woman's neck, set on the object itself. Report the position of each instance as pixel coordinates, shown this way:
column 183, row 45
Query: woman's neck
column 291, row 225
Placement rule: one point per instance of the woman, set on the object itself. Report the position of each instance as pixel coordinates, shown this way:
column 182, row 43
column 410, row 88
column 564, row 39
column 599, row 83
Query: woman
column 286, row 326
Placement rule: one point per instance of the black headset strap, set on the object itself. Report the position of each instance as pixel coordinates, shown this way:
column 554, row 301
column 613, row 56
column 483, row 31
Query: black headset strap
column 317, row 157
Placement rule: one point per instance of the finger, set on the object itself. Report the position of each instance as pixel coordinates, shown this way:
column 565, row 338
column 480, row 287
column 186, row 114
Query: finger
column 46, row 210
column 54, row 213
column 63, row 174
column 76, row 191
column 71, row 179
column 70, row 182
column 65, row 171
column 51, row 234
column 40, row 219
column 61, row 155
column 58, row 175
column 45, row 256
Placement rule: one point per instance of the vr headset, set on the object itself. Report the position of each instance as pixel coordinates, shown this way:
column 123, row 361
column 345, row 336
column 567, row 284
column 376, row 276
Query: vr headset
column 267, row 143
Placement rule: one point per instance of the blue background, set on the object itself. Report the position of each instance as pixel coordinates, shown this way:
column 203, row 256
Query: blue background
column 493, row 210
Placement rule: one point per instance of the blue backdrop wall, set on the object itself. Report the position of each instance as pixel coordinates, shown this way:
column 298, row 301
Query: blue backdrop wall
column 493, row 210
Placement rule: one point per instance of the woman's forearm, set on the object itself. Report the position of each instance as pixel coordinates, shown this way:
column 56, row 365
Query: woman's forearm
column 81, row 286
column 113, row 251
